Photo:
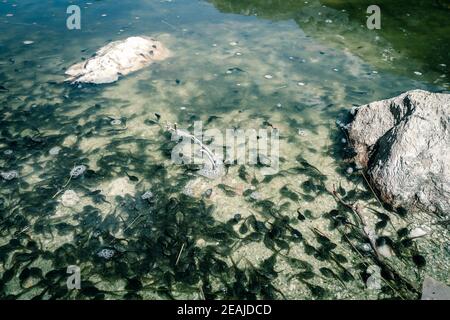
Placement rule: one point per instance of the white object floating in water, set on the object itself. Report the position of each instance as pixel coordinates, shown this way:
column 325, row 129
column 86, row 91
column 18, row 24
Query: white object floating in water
column 55, row 151
column 268, row 76
column 234, row 43
column 301, row 84
column 335, row 69
column 417, row 73
column 78, row 171
column 118, row 58
column 301, row 132
column 116, row 122
column 28, row 42
column 104, row 15
column 9, row 15
column 343, row 140
column 329, row 21
column 9, row 175
column 238, row 54
column 279, row 105
column 8, row 152
column 349, row 170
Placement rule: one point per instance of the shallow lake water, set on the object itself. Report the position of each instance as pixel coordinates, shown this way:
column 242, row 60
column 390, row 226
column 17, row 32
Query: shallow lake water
column 297, row 66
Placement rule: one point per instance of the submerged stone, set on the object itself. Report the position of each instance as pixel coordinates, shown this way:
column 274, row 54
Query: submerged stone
column 417, row 233
column 54, row 151
column 212, row 172
column 69, row 198
column 106, row 253
column 255, row 196
column 374, row 280
column 147, row 195
column 9, row 175
column 78, row 171
column 120, row 187
column 116, row 122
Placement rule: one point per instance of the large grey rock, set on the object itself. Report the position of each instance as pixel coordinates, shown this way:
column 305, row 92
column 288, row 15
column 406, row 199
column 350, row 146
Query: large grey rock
column 434, row 290
column 118, row 58
column 403, row 143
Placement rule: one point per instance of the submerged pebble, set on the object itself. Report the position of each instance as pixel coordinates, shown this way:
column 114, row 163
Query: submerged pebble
column 147, row 195
column 417, row 233
column 78, row 171
column 264, row 160
column 106, row 253
column 55, row 151
column 207, row 193
column 255, row 196
column 365, row 247
column 212, row 172
column 374, row 281
column 69, row 198
column 9, row 175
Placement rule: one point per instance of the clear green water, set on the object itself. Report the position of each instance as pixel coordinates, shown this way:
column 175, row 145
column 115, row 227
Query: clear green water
column 185, row 245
